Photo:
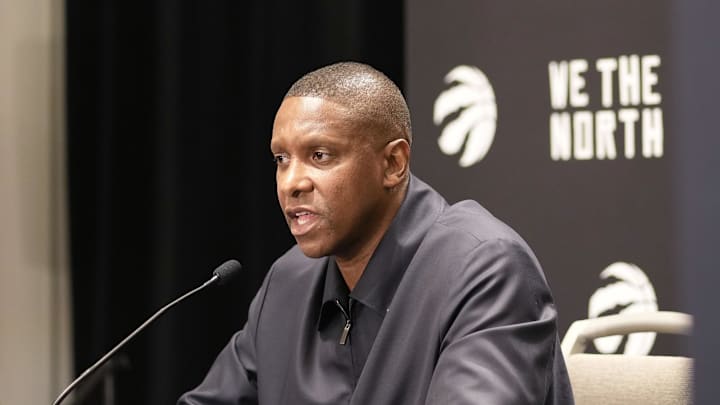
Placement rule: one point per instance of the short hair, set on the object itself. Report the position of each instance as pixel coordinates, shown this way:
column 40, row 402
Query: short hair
column 371, row 96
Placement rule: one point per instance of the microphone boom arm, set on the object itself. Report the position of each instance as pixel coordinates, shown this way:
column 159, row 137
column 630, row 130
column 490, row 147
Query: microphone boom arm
column 223, row 272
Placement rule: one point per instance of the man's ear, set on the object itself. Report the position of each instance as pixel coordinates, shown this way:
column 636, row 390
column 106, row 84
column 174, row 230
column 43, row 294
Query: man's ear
column 397, row 162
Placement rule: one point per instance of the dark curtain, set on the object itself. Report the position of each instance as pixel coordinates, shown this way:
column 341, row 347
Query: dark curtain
column 170, row 109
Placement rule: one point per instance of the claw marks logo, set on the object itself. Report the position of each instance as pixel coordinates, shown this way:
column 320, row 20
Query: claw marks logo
column 628, row 290
column 577, row 132
column 469, row 112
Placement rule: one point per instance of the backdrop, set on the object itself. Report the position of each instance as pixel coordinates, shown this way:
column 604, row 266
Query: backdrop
column 591, row 128
column 170, row 109
column 555, row 116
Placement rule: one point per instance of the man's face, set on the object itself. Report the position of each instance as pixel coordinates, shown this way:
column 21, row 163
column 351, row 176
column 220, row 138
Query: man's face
column 329, row 177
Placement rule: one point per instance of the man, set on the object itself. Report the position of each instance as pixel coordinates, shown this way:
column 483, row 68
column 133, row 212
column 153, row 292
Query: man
column 391, row 296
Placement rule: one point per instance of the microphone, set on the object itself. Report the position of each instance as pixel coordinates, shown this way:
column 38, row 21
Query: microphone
column 221, row 275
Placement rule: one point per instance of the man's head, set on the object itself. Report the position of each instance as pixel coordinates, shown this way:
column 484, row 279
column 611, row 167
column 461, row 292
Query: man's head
column 375, row 101
column 341, row 140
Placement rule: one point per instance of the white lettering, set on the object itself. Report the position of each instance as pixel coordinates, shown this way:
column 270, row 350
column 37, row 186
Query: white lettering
column 652, row 132
column 629, row 116
column 605, row 124
column 560, row 136
column 558, row 72
column 629, row 80
column 649, row 79
column 578, row 98
column 583, row 135
column 606, row 67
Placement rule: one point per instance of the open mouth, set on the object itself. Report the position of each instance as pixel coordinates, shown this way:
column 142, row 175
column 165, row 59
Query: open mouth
column 303, row 217
column 301, row 221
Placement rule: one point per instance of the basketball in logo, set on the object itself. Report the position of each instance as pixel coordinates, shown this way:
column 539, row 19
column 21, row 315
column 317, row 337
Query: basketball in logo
column 627, row 290
column 468, row 111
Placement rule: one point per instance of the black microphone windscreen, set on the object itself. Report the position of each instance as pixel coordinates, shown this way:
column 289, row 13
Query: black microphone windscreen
column 226, row 271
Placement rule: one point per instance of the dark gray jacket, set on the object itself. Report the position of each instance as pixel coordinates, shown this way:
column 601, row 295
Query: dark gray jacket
column 452, row 308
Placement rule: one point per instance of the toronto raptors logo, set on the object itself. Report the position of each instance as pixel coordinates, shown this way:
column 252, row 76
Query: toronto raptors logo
column 469, row 113
column 628, row 291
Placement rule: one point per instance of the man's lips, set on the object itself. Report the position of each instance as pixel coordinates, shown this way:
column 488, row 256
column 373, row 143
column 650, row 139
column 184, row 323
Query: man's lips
column 301, row 220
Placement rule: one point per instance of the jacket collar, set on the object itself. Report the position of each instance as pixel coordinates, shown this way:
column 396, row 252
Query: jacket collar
column 420, row 209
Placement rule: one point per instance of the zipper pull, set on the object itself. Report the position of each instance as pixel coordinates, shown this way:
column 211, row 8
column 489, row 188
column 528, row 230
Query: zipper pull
column 346, row 329
column 345, row 332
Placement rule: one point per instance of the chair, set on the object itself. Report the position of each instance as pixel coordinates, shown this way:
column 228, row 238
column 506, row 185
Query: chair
column 610, row 379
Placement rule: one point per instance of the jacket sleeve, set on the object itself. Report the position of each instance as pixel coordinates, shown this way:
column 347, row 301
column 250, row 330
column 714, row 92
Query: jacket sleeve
column 501, row 336
column 232, row 378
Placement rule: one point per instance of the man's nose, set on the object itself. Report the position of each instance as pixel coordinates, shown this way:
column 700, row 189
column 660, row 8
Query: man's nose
column 295, row 179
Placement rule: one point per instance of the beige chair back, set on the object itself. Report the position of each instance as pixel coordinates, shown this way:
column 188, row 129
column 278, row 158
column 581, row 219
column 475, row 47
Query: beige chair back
column 608, row 379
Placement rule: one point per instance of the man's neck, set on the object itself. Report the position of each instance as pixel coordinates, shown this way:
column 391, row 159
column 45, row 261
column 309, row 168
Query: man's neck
column 353, row 266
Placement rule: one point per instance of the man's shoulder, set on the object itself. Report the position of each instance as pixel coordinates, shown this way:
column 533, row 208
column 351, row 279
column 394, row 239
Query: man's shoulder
column 468, row 220
column 472, row 244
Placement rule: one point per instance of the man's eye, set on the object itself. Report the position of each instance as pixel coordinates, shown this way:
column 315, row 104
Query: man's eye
column 319, row 156
column 278, row 159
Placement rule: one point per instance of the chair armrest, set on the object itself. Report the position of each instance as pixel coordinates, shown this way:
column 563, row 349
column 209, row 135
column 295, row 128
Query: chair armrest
column 581, row 332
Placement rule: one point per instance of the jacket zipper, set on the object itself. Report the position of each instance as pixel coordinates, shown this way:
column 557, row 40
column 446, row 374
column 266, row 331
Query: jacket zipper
column 346, row 329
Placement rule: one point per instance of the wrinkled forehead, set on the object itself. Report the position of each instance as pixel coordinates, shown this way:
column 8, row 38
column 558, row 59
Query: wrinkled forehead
column 305, row 118
column 306, row 106
column 303, row 114
column 299, row 112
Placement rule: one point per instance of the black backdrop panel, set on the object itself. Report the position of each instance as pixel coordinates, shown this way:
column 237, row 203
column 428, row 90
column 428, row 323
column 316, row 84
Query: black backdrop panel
column 592, row 192
column 170, row 110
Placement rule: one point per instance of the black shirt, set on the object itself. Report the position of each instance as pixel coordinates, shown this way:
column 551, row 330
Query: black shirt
column 451, row 308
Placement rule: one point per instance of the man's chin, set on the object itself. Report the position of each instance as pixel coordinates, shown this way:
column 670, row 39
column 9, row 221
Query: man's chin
column 312, row 250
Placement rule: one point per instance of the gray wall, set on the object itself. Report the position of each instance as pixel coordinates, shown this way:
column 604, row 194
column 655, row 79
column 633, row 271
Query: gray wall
column 34, row 297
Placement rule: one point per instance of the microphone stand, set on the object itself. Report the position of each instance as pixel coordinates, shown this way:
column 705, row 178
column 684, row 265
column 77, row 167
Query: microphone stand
column 215, row 278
